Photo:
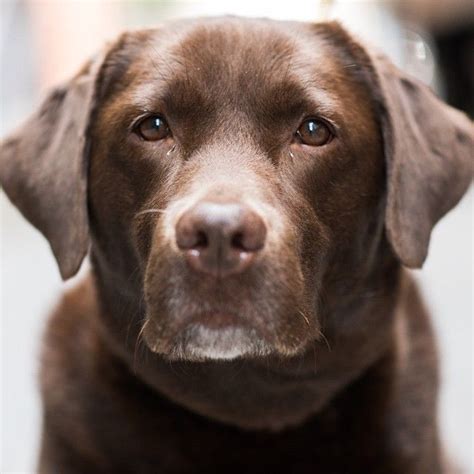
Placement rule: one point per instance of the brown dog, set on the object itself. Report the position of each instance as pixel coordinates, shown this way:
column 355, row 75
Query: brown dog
column 249, row 191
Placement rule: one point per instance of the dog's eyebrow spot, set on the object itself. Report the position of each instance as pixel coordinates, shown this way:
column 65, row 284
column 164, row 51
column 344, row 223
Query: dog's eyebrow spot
column 146, row 96
column 283, row 101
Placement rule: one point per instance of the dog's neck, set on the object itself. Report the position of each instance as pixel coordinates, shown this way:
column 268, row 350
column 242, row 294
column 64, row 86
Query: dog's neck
column 265, row 393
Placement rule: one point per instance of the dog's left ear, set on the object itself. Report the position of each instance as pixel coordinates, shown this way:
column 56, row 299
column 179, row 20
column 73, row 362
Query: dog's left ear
column 429, row 149
column 43, row 167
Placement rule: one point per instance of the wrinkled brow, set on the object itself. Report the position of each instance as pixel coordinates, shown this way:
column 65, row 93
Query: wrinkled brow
column 205, row 81
column 183, row 96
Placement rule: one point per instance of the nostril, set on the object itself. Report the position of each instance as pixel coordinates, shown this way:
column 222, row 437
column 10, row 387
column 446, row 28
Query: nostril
column 201, row 240
column 237, row 241
column 190, row 234
column 252, row 237
column 190, row 239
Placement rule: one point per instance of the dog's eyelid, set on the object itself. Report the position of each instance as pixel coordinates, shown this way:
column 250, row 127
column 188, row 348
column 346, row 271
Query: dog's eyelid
column 325, row 114
column 151, row 127
column 333, row 126
column 142, row 116
column 329, row 122
column 134, row 123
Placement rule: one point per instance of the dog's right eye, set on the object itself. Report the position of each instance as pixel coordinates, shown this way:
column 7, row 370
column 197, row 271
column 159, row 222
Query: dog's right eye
column 153, row 128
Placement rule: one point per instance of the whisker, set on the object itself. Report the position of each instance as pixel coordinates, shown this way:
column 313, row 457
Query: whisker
column 324, row 338
column 305, row 318
column 150, row 211
column 138, row 342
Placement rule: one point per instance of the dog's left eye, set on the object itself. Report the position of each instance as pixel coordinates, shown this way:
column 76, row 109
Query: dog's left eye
column 153, row 128
column 314, row 132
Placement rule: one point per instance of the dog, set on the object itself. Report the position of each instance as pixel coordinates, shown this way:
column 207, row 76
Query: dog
column 250, row 193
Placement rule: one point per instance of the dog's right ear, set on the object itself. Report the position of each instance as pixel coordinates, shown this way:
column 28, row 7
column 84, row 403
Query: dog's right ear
column 43, row 167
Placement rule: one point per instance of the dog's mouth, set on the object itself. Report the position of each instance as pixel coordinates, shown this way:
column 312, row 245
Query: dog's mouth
column 205, row 336
column 190, row 316
column 200, row 342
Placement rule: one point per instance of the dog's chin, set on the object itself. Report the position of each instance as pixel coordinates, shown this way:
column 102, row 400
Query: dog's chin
column 200, row 342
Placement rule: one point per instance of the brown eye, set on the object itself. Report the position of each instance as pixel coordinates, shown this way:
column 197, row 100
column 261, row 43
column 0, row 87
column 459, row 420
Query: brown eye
column 314, row 132
column 153, row 128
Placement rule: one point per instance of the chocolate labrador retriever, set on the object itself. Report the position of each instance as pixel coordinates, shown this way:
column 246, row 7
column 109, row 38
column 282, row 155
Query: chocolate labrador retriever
column 249, row 192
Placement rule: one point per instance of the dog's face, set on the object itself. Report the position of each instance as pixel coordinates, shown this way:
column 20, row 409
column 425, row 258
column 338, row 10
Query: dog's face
column 236, row 170
column 234, row 159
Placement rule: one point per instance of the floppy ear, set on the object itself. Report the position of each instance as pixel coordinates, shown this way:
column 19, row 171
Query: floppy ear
column 429, row 150
column 43, row 167
column 428, row 146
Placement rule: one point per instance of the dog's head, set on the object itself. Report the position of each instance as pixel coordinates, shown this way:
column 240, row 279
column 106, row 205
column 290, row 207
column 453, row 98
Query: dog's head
column 230, row 172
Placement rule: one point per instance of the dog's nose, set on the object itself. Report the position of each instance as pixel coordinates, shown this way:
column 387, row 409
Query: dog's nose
column 220, row 239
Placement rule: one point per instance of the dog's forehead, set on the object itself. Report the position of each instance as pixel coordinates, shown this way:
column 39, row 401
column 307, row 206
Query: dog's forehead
column 226, row 61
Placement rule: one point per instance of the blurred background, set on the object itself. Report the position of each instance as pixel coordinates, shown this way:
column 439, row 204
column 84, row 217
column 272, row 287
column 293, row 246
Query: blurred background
column 43, row 42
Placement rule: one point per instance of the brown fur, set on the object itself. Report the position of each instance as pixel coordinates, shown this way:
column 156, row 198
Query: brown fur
column 340, row 374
